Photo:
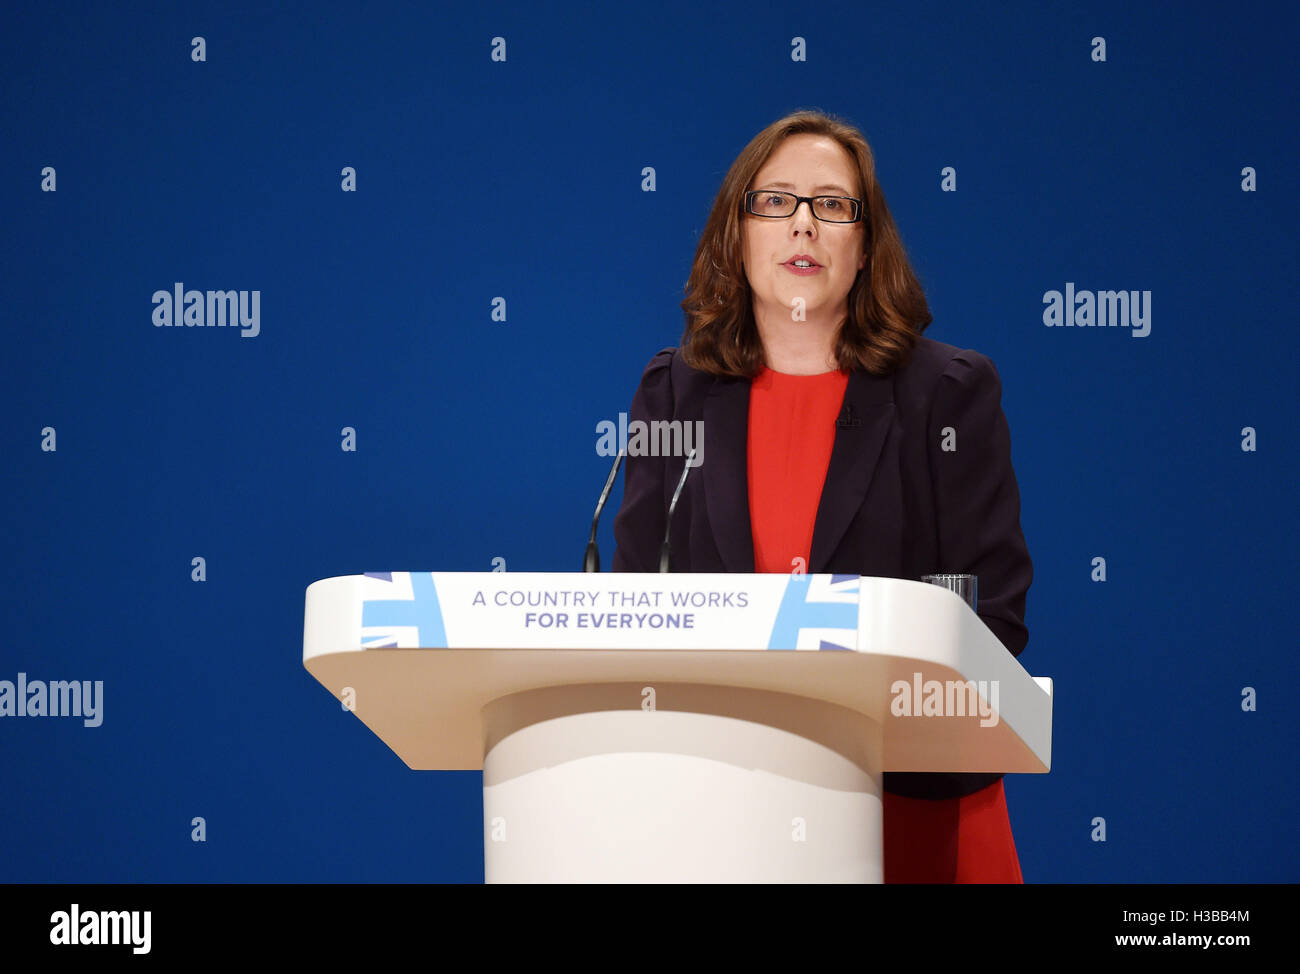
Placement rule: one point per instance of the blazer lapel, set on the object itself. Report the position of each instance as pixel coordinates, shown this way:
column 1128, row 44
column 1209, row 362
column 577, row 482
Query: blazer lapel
column 726, row 471
column 860, row 432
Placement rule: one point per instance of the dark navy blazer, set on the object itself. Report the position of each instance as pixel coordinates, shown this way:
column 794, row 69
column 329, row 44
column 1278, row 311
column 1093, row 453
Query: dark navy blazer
column 895, row 502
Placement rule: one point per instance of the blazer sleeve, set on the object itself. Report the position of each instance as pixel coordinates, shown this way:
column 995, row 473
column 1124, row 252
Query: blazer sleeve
column 639, row 524
column 977, row 500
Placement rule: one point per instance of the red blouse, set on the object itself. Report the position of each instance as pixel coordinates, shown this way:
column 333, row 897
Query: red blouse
column 791, row 433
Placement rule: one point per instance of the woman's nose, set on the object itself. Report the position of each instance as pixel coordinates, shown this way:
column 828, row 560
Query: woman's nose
column 803, row 215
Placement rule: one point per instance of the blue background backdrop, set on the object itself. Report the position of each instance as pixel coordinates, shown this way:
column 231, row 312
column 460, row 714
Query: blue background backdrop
column 522, row 179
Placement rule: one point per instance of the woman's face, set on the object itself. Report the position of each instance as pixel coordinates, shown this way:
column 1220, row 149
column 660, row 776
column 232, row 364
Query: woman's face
column 807, row 165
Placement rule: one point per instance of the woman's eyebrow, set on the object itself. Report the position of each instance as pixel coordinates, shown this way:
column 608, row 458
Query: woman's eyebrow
column 838, row 189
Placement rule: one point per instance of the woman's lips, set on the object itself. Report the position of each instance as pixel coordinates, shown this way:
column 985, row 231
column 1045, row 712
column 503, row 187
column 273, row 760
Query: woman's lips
column 802, row 271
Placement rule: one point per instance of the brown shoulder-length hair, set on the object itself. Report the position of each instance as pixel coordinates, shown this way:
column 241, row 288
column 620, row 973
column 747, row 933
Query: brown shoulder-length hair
column 887, row 309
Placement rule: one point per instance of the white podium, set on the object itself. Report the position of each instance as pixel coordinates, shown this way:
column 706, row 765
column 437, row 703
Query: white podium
column 676, row 727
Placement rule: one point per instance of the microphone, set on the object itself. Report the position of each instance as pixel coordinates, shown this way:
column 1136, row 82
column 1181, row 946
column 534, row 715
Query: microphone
column 665, row 552
column 846, row 420
column 591, row 561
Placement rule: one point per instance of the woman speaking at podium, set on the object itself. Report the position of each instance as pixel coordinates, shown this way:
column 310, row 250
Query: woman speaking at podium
column 837, row 438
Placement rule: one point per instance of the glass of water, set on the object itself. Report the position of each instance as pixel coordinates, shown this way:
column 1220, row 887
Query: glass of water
column 963, row 585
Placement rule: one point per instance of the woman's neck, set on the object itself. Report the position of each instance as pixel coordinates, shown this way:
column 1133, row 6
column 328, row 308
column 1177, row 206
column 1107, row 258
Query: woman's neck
column 798, row 347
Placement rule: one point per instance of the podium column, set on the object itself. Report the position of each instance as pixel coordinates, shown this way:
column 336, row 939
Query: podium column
column 715, row 784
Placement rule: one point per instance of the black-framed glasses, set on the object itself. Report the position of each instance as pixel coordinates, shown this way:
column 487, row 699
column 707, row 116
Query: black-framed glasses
column 775, row 205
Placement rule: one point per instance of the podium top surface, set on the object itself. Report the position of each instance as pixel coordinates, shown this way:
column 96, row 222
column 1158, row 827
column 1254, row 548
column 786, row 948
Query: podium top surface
column 418, row 655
